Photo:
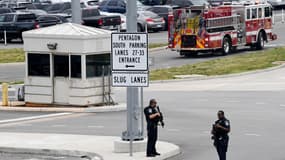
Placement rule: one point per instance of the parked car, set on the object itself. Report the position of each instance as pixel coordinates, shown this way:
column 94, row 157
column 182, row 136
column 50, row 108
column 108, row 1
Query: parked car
column 277, row 3
column 162, row 11
column 93, row 18
column 91, row 3
column 180, row 3
column 16, row 23
column 37, row 12
column 5, row 10
column 117, row 6
column 61, row 7
column 150, row 20
column 123, row 26
column 50, row 20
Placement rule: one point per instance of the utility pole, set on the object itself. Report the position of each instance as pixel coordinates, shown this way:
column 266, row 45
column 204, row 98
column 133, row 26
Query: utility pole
column 76, row 11
column 134, row 111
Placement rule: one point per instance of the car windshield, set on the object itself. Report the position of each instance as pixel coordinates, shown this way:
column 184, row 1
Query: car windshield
column 6, row 18
column 149, row 14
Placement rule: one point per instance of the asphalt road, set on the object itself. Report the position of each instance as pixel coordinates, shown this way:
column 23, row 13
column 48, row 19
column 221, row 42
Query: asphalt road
column 253, row 103
column 162, row 59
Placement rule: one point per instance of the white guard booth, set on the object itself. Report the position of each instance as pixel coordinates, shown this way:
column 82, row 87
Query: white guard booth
column 67, row 64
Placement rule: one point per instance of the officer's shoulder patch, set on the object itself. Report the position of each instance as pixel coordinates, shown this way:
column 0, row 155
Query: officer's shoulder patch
column 149, row 110
column 227, row 123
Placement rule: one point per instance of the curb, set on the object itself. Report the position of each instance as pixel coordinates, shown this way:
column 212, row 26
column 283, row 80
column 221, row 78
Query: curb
column 50, row 152
column 91, row 109
column 219, row 76
column 158, row 49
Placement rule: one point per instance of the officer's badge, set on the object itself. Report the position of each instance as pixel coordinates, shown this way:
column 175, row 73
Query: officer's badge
column 150, row 110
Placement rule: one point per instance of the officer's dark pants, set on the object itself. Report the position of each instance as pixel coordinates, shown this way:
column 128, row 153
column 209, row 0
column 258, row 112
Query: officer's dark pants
column 222, row 147
column 152, row 138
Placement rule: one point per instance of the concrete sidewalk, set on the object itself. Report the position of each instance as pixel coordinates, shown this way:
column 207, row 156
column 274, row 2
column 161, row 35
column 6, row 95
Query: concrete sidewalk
column 101, row 145
column 90, row 109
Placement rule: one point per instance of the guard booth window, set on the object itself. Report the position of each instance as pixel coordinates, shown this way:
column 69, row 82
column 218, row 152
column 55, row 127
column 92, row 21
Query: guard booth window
column 61, row 66
column 97, row 65
column 75, row 66
column 38, row 64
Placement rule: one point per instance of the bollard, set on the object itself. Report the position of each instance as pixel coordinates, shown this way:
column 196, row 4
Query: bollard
column 146, row 29
column 282, row 14
column 4, row 94
column 5, row 37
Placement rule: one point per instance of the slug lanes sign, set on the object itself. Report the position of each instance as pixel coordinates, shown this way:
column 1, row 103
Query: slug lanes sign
column 130, row 60
column 129, row 52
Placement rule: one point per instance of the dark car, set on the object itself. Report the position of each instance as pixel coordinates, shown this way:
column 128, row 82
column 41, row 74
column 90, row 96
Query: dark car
column 92, row 17
column 180, row 3
column 50, row 20
column 16, row 23
column 5, row 10
column 115, row 6
column 37, row 12
column 162, row 11
column 60, row 7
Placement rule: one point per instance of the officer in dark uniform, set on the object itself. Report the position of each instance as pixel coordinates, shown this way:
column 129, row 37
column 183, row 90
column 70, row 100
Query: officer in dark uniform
column 153, row 117
column 220, row 131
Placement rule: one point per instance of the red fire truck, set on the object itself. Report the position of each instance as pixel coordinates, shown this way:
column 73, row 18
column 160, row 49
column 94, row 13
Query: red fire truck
column 224, row 27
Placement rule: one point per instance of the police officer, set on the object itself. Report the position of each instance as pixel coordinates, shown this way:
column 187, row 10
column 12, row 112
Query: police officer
column 220, row 131
column 153, row 116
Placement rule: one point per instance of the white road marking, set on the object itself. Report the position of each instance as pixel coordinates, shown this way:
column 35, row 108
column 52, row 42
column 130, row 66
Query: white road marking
column 173, row 130
column 58, row 125
column 260, row 103
column 233, row 101
column 33, row 117
column 252, row 134
column 95, row 126
column 282, row 105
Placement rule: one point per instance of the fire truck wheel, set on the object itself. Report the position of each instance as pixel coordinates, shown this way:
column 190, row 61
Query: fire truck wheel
column 227, row 46
column 260, row 41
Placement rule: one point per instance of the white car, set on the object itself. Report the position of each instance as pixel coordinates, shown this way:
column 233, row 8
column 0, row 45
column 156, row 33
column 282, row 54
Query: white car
column 123, row 26
column 91, row 3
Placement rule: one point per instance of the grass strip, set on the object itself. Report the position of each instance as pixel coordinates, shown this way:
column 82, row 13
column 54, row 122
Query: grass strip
column 226, row 65
column 12, row 55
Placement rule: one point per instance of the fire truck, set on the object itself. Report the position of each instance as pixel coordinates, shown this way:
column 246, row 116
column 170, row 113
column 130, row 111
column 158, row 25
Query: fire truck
column 220, row 28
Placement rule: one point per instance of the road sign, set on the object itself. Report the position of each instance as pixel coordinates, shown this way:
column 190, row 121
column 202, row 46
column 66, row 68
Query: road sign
column 130, row 79
column 129, row 52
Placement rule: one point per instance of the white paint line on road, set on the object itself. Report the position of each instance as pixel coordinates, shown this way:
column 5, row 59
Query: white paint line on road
column 233, row 101
column 95, row 126
column 252, row 134
column 33, row 117
column 173, row 130
column 58, row 125
column 282, row 105
column 260, row 103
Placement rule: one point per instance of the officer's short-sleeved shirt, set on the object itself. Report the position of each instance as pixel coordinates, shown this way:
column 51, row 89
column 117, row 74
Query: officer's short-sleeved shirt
column 224, row 123
column 149, row 111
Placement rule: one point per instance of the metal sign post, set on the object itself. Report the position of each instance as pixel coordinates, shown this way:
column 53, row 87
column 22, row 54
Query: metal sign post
column 130, row 69
column 76, row 12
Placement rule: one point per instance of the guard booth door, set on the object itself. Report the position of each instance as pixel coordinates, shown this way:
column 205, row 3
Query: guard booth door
column 61, row 78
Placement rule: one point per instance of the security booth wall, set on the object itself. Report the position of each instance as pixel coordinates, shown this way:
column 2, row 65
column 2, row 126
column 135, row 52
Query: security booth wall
column 59, row 74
